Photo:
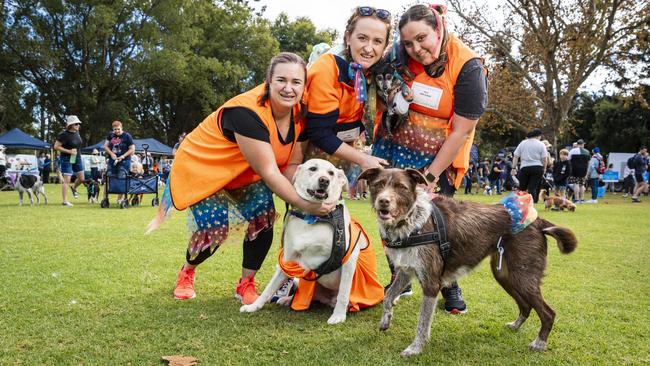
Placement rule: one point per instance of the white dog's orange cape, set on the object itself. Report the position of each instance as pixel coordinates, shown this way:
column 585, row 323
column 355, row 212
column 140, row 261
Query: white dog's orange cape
column 366, row 290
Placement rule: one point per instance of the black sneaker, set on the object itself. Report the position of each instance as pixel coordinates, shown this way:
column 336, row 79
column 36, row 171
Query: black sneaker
column 74, row 192
column 454, row 303
column 408, row 291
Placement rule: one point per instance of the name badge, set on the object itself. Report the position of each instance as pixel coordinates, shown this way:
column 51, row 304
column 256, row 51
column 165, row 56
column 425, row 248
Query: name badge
column 349, row 135
column 426, row 95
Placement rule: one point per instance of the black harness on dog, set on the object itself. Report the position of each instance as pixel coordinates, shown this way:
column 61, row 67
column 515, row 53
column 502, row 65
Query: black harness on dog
column 417, row 237
column 336, row 219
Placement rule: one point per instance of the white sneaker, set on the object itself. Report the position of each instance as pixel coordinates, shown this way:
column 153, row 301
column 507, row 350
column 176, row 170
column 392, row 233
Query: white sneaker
column 66, row 203
column 591, row 201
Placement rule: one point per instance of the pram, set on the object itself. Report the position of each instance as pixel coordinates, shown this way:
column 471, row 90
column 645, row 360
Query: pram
column 131, row 185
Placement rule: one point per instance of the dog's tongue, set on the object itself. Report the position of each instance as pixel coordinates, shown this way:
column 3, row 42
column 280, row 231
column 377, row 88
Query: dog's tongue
column 384, row 214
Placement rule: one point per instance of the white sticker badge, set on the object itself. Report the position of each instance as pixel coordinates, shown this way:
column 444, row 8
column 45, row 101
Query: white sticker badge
column 426, row 96
column 349, row 135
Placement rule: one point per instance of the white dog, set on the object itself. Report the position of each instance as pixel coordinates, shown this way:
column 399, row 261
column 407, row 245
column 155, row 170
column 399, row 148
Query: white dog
column 312, row 243
column 30, row 184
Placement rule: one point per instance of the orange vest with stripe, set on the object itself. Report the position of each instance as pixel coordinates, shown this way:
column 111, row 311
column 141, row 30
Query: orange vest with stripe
column 441, row 89
column 327, row 92
column 207, row 162
column 366, row 290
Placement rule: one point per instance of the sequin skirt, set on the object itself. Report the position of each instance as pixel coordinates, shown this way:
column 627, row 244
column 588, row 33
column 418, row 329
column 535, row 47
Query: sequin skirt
column 249, row 208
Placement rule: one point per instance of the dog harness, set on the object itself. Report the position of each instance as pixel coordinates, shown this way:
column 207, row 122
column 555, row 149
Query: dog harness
column 366, row 291
column 335, row 219
column 417, row 237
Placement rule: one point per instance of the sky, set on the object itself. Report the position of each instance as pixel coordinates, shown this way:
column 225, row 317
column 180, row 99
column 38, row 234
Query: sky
column 334, row 14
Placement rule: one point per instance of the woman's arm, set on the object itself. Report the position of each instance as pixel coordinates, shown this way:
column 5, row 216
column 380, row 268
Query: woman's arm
column 366, row 161
column 59, row 147
column 261, row 158
column 461, row 130
column 295, row 160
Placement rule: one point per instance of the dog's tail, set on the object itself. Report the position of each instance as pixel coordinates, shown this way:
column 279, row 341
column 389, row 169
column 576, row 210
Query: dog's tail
column 543, row 194
column 164, row 210
column 566, row 239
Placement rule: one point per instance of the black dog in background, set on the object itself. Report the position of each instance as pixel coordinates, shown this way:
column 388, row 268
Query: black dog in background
column 92, row 187
column 393, row 93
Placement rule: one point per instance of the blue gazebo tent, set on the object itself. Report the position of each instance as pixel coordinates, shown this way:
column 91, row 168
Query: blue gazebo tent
column 155, row 147
column 17, row 139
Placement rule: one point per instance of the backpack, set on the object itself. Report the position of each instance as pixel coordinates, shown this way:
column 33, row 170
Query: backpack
column 630, row 161
column 601, row 167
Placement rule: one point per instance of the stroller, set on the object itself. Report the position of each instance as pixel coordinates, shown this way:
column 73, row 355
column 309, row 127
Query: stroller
column 131, row 185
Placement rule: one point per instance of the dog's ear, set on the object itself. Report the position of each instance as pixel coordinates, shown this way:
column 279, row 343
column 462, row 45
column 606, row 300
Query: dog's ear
column 340, row 175
column 299, row 168
column 370, row 174
column 415, row 176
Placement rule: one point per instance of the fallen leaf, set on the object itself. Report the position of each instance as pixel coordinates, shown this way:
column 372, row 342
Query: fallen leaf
column 179, row 360
column 203, row 317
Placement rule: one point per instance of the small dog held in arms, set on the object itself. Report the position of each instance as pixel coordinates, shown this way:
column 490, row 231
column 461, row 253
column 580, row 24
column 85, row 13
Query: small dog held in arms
column 331, row 255
column 439, row 240
column 33, row 186
column 393, row 93
column 559, row 203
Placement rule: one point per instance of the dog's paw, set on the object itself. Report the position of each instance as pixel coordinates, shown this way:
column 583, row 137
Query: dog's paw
column 412, row 350
column 336, row 319
column 384, row 323
column 537, row 345
column 249, row 308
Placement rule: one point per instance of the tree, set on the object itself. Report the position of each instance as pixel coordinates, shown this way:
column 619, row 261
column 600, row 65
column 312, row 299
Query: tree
column 555, row 45
column 300, row 35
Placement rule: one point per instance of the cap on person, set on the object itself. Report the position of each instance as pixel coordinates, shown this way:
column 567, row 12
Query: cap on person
column 534, row 133
column 95, row 151
column 580, row 142
column 546, row 143
column 2, row 147
column 71, row 120
column 596, row 150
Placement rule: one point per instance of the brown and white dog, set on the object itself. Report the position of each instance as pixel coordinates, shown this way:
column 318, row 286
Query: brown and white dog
column 560, row 203
column 474, row 231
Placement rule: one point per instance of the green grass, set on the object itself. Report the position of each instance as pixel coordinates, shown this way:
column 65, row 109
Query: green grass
column 83, row 285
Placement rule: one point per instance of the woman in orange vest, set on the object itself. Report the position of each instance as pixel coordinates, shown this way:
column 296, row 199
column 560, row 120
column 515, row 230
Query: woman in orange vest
column 449, row 83
column 337, row 90
column 227, row 169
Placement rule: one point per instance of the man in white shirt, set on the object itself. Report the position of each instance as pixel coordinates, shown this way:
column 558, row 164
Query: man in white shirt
column 533, row 156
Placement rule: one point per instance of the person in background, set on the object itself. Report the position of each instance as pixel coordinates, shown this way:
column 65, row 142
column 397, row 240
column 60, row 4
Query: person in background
column 561, row 173
column 628, row 181
column 40, row 161
column 94, row 165
column 119, row 146
column 534, row 156
column 67, row 144
column 495, row 175
column 593, row 176
column 579, row 158
column 469, row 177
column 181, row 137
column 47, row 168
column 3, row 160
column 640, row 165
column 609, row 186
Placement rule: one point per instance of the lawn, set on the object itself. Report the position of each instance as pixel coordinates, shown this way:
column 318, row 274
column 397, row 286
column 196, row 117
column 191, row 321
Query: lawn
column 84, row 286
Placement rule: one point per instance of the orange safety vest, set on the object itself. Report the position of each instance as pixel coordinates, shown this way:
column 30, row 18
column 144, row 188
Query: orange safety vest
column 329, row 91
column 434, row 99
column 207, row 162
column 366, row 290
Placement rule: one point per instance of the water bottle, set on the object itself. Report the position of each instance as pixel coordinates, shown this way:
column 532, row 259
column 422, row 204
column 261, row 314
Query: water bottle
column 73, row 158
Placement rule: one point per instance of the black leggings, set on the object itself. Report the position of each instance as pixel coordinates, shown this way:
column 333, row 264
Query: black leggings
column 530, row 178
column 254, row 251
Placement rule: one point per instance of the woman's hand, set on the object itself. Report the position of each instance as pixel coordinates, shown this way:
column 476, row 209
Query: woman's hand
column 373, row 162
column 317, row 208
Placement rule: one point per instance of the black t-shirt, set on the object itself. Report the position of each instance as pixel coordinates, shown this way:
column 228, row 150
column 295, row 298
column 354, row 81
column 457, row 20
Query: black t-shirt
column 119, row 145
column 69, row 140
column 247, row 123
column 470, row 91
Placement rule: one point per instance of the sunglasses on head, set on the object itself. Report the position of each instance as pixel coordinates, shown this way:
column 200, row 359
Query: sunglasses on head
column 367, row 11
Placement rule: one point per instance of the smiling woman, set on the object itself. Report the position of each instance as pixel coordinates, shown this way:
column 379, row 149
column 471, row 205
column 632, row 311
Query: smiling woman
column 227, row 169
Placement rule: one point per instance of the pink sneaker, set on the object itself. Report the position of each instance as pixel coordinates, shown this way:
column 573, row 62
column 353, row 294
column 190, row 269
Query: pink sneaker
column 185, row 284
